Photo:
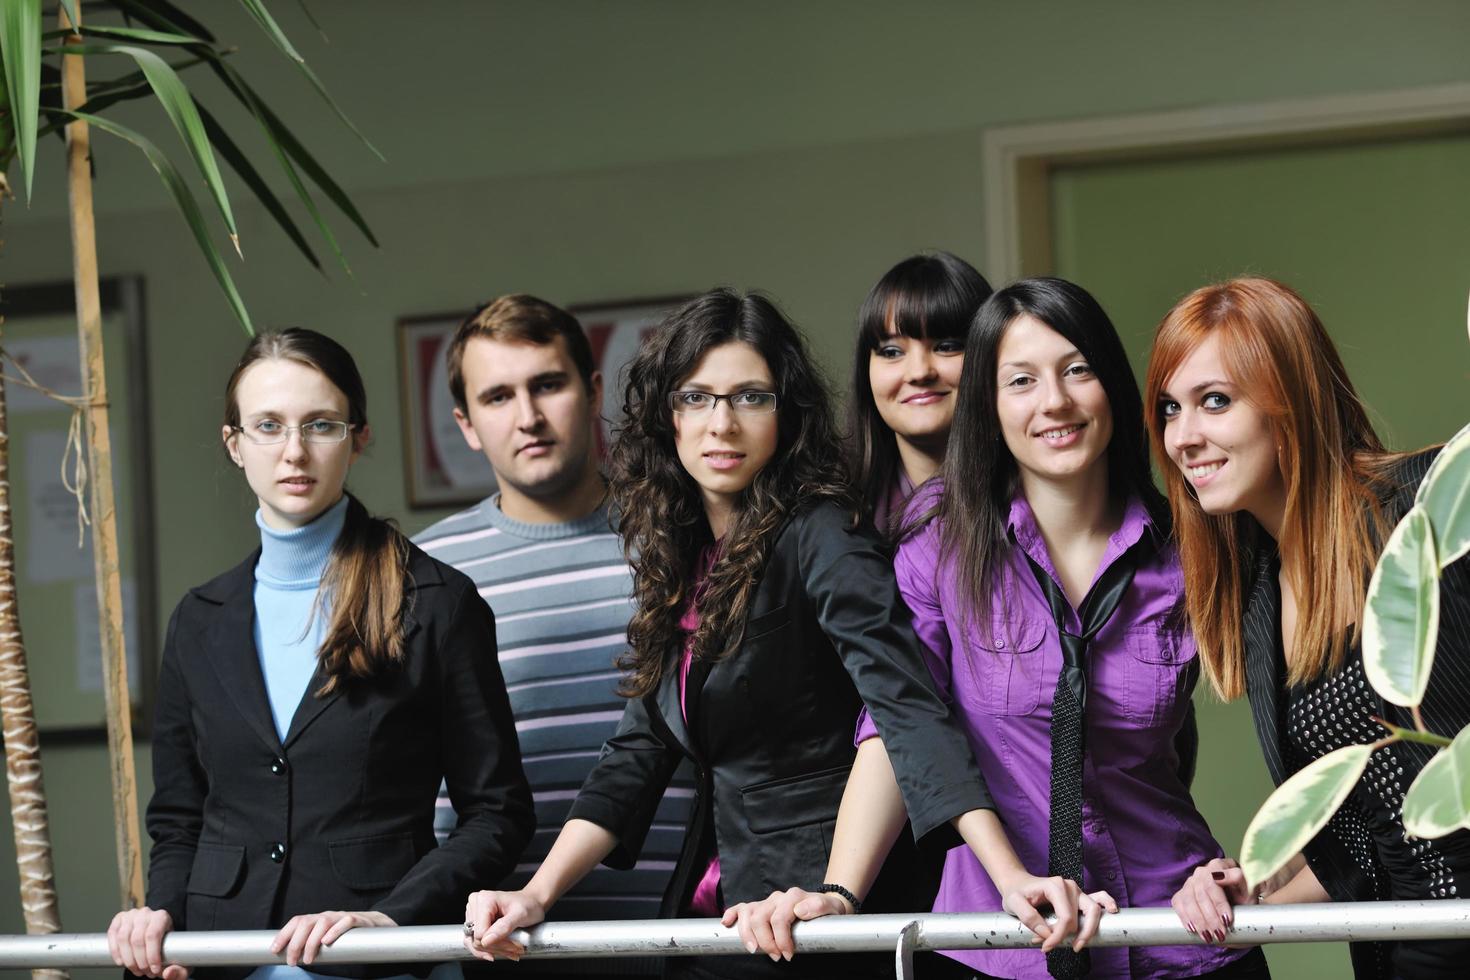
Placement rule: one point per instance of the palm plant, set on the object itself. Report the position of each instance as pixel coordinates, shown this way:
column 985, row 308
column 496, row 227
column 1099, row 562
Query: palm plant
column 45, row 92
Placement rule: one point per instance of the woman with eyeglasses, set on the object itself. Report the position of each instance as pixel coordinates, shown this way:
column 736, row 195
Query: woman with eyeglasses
column 766, row 617
column 312, row 698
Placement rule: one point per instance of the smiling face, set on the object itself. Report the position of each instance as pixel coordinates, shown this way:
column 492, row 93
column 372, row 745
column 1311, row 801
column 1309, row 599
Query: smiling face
column 723, row 449
column 1223, row 445
column 1054, row 414
column 914, row 381
column 294, row 481
column 531, row 415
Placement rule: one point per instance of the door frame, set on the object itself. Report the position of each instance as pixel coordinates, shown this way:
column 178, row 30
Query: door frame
column 1018, row 160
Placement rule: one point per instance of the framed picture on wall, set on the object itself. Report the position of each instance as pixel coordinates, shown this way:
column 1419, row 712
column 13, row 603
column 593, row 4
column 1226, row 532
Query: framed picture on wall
column 440, row 469
column 56, row 587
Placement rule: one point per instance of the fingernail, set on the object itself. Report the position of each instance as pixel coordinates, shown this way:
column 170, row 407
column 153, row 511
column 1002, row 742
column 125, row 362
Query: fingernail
column 1218, row 875
column 750, row 947
column 1190, row 926
column 775, row 957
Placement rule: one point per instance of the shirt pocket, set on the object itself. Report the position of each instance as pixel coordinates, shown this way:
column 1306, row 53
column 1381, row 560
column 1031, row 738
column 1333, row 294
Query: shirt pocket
column 1007, row 665
column 1161, row 673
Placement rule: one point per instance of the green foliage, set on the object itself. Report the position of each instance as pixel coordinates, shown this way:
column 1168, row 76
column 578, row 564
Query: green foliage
column 20, row 47
column 1400, row 628
column 1445, row 494
column 1299, row 808
column 32, row 93
column 1401, row 615
column 1438, row 802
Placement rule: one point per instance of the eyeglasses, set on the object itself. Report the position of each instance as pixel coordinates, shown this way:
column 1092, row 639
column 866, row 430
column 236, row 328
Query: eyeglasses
column 704, row 402
column 317, row 432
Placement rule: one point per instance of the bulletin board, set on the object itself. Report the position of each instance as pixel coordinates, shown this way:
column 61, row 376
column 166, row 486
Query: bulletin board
column 55, row 582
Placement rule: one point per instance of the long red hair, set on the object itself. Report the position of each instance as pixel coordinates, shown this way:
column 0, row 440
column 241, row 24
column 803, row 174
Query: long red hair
column 1276, row 350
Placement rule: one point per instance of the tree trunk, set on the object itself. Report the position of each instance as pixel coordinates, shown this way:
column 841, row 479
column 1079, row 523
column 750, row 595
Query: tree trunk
column 99, row 463
column 22, row 745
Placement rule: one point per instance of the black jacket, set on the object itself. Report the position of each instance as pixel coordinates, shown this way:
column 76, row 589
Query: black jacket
column 771, row 726
column 1446, row 710
column 249, row 830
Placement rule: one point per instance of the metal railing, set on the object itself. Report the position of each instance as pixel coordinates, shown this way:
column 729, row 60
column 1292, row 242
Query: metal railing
column 900, row 934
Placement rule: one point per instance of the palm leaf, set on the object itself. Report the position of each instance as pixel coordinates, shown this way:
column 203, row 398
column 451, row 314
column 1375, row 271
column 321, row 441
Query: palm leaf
column 291, row 145
column 20, row 46
column 273, row 31
column 179, row 105
column 241, row 164
column 137, row 34
column 164, row 16
column 186, row 203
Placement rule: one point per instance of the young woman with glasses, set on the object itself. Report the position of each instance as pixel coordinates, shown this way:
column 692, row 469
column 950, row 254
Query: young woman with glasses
column 312, row 698
column 766, row 616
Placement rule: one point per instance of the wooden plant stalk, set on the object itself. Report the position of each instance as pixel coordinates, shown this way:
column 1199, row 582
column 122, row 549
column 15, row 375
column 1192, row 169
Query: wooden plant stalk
column 22, row 743
column 99, row 465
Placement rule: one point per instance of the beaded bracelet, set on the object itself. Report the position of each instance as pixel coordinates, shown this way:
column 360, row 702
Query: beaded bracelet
column 828, row 887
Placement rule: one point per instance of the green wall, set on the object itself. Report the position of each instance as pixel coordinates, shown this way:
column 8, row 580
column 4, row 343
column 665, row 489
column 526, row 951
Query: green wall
column 588, row 151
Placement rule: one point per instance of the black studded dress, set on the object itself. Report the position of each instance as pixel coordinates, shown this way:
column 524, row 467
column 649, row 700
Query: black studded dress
column 1364, row 852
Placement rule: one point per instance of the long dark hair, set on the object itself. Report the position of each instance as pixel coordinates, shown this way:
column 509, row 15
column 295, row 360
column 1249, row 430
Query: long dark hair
column 662, row 515
column 932, row 296
column 368, row 567
column 980, row 474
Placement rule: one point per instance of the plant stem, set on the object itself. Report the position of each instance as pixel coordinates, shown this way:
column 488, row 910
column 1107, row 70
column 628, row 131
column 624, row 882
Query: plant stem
column 1400, row 734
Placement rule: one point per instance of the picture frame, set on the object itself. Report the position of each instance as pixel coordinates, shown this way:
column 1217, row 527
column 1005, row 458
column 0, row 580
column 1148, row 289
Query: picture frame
column 440, row 470
column 56, row 586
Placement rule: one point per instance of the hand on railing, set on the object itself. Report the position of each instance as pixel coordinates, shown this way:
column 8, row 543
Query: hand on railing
column 1206, row 903
column 1024, row 895
column 490, row 917
column 135, row 940
column 765, row 926
column 303, row 936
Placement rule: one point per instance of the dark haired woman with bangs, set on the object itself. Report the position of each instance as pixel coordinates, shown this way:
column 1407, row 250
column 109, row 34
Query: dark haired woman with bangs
column 766, row 618
column 905, row 377
column 312, row 698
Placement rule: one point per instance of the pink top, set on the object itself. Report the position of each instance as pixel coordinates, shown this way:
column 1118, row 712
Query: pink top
column 706, row 893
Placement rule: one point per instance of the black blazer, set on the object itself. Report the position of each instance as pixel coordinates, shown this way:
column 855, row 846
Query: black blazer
column 1446, row 708
column 249, row 830
column 771, row 726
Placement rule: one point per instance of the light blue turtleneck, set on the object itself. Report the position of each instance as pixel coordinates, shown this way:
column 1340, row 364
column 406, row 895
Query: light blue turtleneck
column 287, row 634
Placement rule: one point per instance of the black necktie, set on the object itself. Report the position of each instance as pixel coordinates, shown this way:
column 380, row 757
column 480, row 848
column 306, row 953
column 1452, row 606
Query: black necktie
column 1064, row 842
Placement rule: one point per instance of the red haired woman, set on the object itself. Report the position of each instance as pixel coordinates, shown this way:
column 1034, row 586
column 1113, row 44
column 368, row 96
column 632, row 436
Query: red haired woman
column 1282, row 496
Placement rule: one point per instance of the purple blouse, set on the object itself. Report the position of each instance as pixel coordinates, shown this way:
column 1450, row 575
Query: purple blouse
column 1141, row 835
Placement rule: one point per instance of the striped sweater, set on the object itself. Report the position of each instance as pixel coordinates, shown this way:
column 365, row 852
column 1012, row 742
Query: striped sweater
column 561, row 594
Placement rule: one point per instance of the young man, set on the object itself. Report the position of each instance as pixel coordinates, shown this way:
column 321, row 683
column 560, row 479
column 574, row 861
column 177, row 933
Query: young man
column 549, row 562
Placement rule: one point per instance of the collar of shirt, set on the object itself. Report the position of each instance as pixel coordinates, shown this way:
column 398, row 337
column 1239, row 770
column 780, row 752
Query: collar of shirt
column 1027, row 534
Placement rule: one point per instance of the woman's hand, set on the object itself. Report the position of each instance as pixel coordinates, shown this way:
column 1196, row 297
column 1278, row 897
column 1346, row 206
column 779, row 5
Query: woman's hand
column 303, row 936
column 490, row 917
column 1205, row 904
column 1025, row 895
column 135, row 940
column 765, row 926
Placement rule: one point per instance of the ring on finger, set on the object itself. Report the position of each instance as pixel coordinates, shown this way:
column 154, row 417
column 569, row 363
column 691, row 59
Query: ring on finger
column 469, row 928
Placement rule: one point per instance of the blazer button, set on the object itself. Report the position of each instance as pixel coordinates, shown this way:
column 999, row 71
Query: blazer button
column 278, row 765
column 278, row 852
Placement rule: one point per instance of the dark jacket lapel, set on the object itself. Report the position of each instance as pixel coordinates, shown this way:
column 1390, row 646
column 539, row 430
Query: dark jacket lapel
column 669, row 708
column 1264, row 669
column 230, row 646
